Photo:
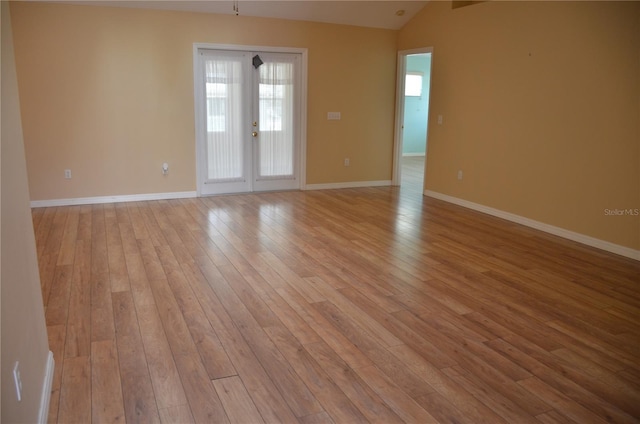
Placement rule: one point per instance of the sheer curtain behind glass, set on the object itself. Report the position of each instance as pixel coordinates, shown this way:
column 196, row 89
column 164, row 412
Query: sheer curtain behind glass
column 276, row 84
column 223, row 76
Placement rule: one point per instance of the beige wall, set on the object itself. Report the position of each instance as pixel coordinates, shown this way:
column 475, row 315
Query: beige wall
column 24, row 334
column 541, row 102
column 108, row 93
column 541, row 107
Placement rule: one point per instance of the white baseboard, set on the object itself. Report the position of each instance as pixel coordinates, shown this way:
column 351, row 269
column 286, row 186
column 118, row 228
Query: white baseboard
column 112, row 199
column 413, row 154
column 557, row 231
column 46, row 389
column 353, row 184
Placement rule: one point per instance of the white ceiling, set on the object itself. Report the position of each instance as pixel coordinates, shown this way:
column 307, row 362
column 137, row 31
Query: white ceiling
column 368, row 13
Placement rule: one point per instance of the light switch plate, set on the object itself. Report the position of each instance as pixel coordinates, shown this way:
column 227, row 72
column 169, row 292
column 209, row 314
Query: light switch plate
column 333, row 116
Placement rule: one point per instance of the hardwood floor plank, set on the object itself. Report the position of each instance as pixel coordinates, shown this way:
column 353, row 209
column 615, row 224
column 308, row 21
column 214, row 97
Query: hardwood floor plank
column 571, row 289
column 262, row 390
column 203, row 400
column 78, row 342
column 137, row 221
column 102, row 322
column 137, row 390
column 140, row 288
column 595, row 370
column 236, row 401
column 602, row 357
column 604, row 388
column 42, row 227
column 562, row 307
column 332, row 399
column 152, row 266
column 106, row 395
column 438, row 406
column 207, row 342
column 54, row 236
column 499, row 309
column 630, row 317
column 85, row 223
column 396, row 370
column 500, row 376
column 317, row 418
column 497, row 402
column 400, row 402
column 600, row 408
column 631, row 377
column 176, row 414
column 99, row 255
column 329, row 334
column 70, row 232
column 354, row 387
column 433, row 292
column 243, row 283
column 559, row 401
column 122, row 213
column 153, row 229
column 46, row 268
column 299, row 398
column 457, row 395
column 214, row 253
column 366, row 304
column 75, row 393
column 624, row 346
column 279, row 308
column 442, row 318
column 167, row 386
column 306, row 290
column 183, row 224
column 409, row 337
column 56, row 337
column 378, row 332
column 117, row 265
column 554, row 417
column 360, row 339
column 58, row 305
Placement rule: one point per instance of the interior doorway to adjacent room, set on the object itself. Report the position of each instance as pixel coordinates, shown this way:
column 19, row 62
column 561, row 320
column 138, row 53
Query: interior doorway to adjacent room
column 414, row 84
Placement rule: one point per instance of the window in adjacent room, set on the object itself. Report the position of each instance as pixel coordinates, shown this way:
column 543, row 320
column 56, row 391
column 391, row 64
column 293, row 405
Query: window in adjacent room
column 413, row 84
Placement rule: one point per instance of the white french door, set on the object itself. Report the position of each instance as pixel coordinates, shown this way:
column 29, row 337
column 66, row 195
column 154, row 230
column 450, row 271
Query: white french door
column 248, row 113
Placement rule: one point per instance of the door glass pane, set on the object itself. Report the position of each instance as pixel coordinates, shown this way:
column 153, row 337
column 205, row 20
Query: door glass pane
column 216, row 106
column 276, row 141
column 223, row 77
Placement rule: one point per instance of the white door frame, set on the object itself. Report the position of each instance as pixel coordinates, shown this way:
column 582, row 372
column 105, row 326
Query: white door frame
column 198, row 99
column 400, row 98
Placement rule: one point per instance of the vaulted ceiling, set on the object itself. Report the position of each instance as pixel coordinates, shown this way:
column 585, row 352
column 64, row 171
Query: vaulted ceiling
column 377, row 14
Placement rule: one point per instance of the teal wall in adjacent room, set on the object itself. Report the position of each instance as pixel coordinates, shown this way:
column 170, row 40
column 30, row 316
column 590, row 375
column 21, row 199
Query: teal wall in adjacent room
column 416, row 109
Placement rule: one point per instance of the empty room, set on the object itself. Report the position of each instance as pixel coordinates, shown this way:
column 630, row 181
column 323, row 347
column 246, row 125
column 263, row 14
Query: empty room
column 320, row 211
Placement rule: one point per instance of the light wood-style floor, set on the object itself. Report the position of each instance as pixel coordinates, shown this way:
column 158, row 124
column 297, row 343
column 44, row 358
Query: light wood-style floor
column 412, row 179
column 357, row 305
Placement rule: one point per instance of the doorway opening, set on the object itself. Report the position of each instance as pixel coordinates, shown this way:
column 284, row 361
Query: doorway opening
column 412, row 117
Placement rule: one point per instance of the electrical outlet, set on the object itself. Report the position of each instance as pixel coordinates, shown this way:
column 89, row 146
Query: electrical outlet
column 460, row 174
column 67, row 174
column 17, row 380
column 165, row 168
column 347, row 162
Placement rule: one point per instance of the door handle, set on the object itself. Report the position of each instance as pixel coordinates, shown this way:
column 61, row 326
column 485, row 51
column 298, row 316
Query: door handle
column 254, row 134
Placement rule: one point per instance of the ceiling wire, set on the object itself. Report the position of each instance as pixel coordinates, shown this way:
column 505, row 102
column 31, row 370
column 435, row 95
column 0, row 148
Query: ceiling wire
column 236, row 7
